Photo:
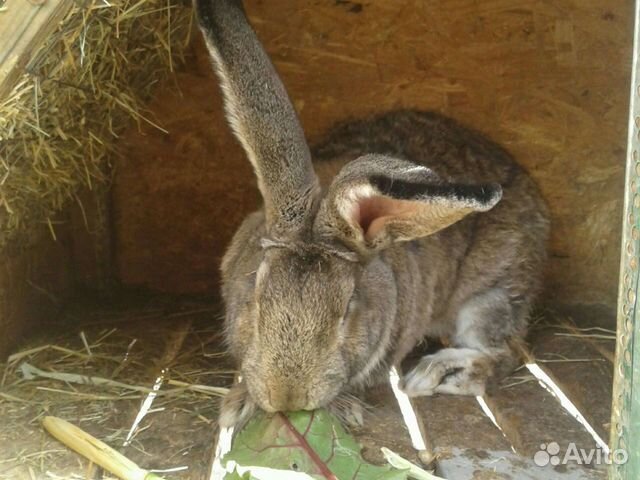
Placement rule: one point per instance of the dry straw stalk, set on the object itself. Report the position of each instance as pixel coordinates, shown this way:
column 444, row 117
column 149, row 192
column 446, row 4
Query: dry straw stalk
column 98, row 452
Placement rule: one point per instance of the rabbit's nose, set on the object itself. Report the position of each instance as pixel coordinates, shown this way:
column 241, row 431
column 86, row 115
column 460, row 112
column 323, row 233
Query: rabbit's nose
column 287, row 399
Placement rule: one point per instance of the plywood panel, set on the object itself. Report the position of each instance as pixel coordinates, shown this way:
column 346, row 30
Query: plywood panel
column 178, row 198
column 548, row 79
column 35, row 281
column 578, row 351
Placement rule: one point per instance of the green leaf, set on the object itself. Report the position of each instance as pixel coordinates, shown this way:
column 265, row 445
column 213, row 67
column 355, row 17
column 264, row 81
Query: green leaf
column 311, row 442
column 236, row 476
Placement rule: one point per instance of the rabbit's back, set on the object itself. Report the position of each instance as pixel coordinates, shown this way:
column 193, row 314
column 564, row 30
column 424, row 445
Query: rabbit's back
column 504, row 248
column 451, row 150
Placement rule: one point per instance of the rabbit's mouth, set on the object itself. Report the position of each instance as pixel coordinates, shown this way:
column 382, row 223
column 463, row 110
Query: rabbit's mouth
column 288, row 399
column 285, row 399
column 282, row 394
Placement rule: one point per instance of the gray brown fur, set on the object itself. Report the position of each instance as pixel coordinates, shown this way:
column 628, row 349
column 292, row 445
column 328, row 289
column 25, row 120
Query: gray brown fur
column 260, row 114
column 382, row 255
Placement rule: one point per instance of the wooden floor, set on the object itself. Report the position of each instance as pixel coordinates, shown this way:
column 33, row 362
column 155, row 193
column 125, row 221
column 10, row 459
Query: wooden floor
column 134, row 341
column 575, row 347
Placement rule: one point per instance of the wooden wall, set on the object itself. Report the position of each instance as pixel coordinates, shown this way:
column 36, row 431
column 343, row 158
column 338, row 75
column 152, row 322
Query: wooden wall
column 35, row 282
column 548, row 79
column 41, row 272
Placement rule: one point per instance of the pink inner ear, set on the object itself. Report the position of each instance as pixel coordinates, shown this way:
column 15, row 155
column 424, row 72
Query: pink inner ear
column 374, row 212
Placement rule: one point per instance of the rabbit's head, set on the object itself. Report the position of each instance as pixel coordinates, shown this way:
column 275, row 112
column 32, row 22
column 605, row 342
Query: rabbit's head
column 303, row 298
column 307, row 326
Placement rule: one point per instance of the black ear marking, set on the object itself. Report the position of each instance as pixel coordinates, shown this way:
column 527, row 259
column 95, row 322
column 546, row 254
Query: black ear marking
column 405, row 190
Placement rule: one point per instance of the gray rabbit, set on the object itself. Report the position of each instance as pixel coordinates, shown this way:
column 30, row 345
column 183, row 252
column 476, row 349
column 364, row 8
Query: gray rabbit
column 410, row 226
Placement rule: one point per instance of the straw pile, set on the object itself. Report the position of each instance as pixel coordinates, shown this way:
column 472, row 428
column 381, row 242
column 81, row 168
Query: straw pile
column 61, row 122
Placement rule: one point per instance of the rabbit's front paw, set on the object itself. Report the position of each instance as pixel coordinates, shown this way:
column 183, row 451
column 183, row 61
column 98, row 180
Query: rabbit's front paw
column 237, row 407
column 460, row 371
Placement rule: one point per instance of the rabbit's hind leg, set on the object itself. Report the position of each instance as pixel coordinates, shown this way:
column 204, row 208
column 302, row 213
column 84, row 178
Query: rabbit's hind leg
column 479, row 352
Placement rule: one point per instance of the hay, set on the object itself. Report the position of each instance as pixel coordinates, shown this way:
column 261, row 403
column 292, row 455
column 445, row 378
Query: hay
column 60, row 124
column 103, row 392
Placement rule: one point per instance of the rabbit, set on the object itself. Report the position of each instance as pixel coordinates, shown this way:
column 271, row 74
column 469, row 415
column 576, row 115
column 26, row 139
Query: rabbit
column 407, row 226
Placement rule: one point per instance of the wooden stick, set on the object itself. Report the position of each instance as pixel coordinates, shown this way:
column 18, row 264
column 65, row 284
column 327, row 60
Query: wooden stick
column 24, row 26
column 98, row 452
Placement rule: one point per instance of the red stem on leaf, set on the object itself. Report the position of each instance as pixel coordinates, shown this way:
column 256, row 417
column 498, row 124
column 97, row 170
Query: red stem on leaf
column 324, row 469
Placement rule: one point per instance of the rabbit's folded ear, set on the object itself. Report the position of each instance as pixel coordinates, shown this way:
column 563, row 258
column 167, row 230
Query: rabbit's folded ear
column 377, row 200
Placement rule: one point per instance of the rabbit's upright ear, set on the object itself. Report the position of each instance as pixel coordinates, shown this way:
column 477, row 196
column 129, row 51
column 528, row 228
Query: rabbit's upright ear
column 261, row 116
column 377, row 200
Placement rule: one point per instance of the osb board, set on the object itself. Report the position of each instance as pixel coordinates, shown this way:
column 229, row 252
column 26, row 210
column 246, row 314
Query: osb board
column 546, row 78
column 179, row 197
column 35, row 281
column 39, row 275
column 578, row 349
column 90, row 223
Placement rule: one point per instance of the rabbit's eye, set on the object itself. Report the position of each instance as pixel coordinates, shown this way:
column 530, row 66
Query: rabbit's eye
column 351, row 307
